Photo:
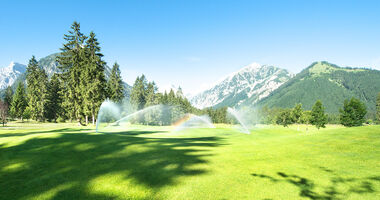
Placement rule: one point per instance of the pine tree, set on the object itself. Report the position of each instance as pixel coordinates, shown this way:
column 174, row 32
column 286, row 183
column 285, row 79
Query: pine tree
column 54, row 99
column 115, row 84
column 353, row 113
column 378, row 107
column 71, row 62
column 19, row 101
column 3, row 112
column 94, row 81
column 138, row 92
column 318, row 116
column 8, row 97
column 37, row 90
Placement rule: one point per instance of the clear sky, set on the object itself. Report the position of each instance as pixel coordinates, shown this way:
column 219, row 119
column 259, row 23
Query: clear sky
column 195, row 43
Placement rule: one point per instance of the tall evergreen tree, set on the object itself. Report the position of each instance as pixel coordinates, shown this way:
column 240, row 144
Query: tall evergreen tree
column 318, row 116
column 94, row 81
column 37, row 90
column 115, row 84
column 54, row 99
column 8, row 97
column 353, row 113
column 378, row 107
column 138, row 92
column 71, row 62
column 19, row 101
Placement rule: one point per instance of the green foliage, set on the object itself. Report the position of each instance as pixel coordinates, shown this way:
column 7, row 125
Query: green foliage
column 3, row 112
column 318, row 116
column 93, row 78
column 306, row 117
column 71, row 62
column 138, row 92
column 37, row 81
column 353, row 113
column 54, row 99
column 19, row 101
column 8, row 97
column 297, row 113
column 115, row 84
column 284, row 117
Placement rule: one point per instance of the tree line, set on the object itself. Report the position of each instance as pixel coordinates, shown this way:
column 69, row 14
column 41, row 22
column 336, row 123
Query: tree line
column 351, row 114
column 75, row 93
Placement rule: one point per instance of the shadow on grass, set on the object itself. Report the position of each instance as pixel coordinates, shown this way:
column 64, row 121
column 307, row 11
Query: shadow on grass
column 75, row 159
column 307, row 188
column 41, row 132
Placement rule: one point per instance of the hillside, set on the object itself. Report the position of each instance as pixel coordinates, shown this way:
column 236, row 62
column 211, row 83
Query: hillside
column 329, row 83
column 252, row 83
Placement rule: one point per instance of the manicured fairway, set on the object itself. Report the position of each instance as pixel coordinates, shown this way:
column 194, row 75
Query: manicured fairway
column 62, row 161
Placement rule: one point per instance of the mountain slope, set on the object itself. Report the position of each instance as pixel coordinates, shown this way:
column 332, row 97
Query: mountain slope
column 251, row 83
column 329, row 83
column 8, row 75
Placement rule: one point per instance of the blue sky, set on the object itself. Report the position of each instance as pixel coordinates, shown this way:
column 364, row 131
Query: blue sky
column 195, row 43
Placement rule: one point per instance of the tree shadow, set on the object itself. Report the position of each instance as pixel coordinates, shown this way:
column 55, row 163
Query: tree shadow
column 40, row 165
column 42, row 132
column 307, row 188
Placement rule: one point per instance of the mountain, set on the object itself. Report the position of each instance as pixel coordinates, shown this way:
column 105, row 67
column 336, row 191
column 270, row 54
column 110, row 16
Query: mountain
column 329, row 83
column 15, row 72
column 249, row 84
column 8, row 75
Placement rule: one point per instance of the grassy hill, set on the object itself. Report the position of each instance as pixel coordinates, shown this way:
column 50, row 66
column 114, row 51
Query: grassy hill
column 62, row 161
column 329, row 83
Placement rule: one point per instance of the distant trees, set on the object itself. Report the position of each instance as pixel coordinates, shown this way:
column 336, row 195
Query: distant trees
column 115, row 84
column 284, row 117
column 19, row 101
column 318, row 116
column 353, row 113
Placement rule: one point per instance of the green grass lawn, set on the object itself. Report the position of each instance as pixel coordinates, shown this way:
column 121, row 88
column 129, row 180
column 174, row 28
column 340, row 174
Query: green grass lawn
column 62, row 161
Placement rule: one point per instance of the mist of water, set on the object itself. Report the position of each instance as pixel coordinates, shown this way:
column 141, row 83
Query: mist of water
column 121, row 117
column 194, row 121
column 241, row 118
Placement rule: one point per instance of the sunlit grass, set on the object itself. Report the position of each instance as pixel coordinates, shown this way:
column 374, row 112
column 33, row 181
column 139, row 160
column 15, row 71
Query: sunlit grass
column 64, row 161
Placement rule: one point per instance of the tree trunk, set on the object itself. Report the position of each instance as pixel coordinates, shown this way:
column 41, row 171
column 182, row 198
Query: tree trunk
column 93, row 119
column 86, row 119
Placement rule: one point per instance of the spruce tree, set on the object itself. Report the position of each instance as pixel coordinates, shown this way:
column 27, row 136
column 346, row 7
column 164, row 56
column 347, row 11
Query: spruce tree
column 54, row 99
column 318, row 116
column 94, row 81
column 378, row 107
column 138, row 92
column 8, row 97
column 115, row 84
column 353, row 113
column 19, row 101
column 37, row 90
column 71, row 62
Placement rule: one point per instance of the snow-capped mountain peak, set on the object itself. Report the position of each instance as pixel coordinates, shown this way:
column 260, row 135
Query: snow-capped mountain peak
column 8, row 75
column 251, row 83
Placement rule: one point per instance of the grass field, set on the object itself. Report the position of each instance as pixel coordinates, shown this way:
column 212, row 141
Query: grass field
column 62, row 161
